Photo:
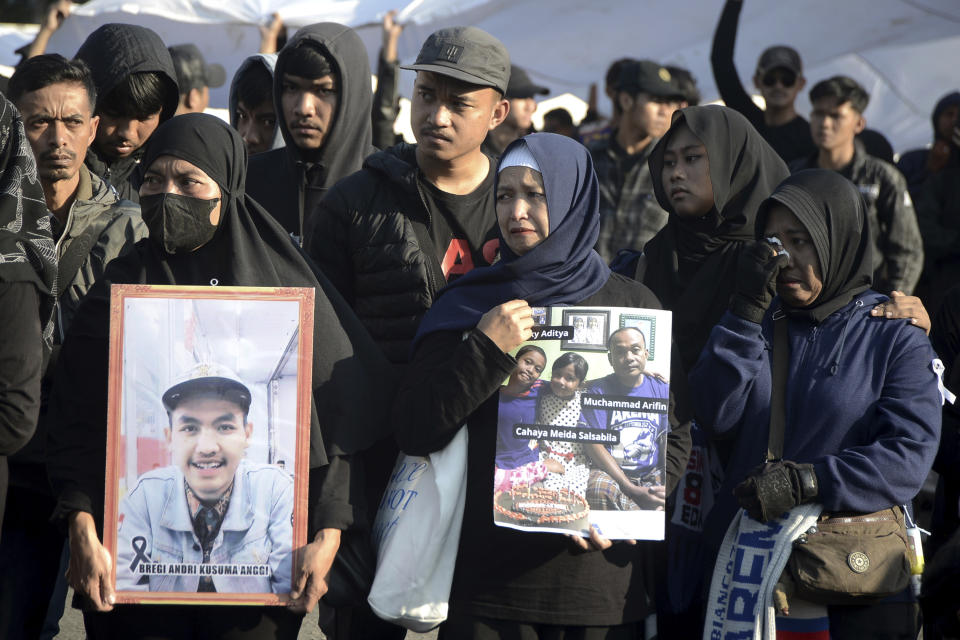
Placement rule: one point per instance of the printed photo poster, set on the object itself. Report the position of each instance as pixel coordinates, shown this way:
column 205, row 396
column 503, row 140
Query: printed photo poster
column 582, row 424
column 208, row 442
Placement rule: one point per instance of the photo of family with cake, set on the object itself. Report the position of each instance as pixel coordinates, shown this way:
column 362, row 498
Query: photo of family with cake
column 581, row 434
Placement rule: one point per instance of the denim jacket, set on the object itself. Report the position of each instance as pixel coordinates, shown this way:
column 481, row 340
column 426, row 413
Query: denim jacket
column 257, row 529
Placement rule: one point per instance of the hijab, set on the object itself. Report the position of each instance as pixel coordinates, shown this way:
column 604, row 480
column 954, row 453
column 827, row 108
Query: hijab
column 691, row 265
column 27, row 251
column 832, row 210
column 249, row 248
column 561, row 270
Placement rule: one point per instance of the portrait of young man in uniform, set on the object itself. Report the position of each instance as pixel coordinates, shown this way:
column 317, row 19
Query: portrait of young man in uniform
column 210, row 521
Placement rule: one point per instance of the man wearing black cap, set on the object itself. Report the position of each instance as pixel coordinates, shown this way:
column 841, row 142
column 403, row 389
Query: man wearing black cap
column 195, row 77
column 392, row 235
column 519, row 121
column 644, row 102
column 779, row 77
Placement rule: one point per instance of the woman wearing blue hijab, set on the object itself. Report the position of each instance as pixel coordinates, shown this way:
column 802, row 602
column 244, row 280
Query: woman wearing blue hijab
column 509, row 583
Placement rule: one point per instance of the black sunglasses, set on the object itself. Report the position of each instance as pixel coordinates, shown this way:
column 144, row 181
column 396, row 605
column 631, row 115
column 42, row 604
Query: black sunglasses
column 787, row 78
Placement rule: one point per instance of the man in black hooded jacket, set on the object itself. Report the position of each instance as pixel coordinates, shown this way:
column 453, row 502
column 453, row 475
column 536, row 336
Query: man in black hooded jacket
column 390, row 236
column 323, row 100
column 136, row 91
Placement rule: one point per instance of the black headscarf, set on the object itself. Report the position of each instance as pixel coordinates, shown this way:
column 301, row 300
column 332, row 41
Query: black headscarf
column 691, row 265
column 27, row 251
column 561, row 270
column 833, row 212
column 249, row 248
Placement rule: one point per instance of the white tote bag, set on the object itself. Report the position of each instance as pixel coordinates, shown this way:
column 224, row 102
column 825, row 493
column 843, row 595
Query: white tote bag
column 417, row 532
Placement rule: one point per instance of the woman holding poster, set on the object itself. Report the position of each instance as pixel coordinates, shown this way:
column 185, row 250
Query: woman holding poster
column 548, row 215
column 205, row 230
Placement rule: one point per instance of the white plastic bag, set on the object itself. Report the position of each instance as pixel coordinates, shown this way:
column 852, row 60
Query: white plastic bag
column 417, row 532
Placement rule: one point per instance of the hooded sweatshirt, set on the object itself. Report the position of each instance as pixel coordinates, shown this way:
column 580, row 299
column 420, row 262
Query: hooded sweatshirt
column 113, row 52
column 913, row 163
column 288, row 182
column 269, row 61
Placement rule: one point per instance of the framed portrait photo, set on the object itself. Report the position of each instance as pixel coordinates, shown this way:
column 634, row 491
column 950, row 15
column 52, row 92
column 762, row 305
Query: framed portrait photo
column 590, row 329
column 208, row 442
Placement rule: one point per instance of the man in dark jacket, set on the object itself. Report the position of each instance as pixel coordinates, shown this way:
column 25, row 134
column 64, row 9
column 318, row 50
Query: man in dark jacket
column 779, row 77
column 136, row 91
column 919, row 164
column 645, row 100
column 323, row 100
column 836, row 119
column 521, row 94
column 91, row 227
column 416, row 216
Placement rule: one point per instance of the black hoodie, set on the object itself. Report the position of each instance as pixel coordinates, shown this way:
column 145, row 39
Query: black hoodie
column 113, row 52
column 287, row 182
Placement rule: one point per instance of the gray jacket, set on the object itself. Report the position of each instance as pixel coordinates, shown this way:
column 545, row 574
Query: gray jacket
column 121, row 226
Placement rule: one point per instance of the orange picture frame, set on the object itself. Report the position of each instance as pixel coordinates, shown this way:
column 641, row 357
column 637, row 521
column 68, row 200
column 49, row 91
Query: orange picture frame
column 178, row 356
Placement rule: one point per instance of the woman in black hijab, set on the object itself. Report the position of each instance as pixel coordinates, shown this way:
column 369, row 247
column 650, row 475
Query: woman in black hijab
column 691, row 263
column 205, row 230
column 862, row 406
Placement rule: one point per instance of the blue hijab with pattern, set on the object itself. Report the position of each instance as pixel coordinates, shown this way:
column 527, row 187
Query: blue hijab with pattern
column 561, row 270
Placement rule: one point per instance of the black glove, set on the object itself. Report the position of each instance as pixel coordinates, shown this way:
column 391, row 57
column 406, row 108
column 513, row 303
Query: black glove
column 757, row 269
column 776, row 487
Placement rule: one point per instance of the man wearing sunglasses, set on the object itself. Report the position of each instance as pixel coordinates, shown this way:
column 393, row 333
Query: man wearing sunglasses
column 779, row 77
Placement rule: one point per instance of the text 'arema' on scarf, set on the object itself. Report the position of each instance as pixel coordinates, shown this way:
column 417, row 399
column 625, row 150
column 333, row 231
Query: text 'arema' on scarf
column 691, row 265
column 833, row 212
column 561, row 270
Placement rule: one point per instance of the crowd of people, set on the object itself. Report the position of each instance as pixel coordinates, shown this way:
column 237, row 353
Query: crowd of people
column 427, row 262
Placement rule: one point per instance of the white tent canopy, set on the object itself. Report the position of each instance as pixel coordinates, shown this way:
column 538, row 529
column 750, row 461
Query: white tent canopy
column 905, row 52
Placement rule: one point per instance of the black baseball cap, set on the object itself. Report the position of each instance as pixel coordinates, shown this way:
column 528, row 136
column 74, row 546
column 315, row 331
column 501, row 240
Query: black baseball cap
column 192, row 69
column 646, row 76
column 520, row 85
column 779, row 57
column 468, row 54
column 207, row 378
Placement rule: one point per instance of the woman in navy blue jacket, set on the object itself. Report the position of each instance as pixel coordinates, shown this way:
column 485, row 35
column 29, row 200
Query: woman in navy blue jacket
column 862, row 403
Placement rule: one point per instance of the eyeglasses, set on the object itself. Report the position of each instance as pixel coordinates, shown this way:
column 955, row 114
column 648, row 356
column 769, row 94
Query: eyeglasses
column 786, row 78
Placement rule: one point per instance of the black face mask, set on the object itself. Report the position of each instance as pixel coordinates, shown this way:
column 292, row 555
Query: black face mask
column 178, row 224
